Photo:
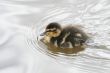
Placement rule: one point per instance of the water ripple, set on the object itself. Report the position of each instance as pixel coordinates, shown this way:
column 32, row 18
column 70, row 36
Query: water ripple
column 93, row 21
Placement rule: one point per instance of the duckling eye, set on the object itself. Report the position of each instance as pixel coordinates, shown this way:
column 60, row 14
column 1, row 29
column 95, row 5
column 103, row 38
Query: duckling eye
column 54, row 31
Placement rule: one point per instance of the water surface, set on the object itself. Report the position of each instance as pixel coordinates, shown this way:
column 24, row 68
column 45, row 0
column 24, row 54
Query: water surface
column 22, row 22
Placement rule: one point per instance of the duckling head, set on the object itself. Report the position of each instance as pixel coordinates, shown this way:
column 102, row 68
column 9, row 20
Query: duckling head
column 53, row 30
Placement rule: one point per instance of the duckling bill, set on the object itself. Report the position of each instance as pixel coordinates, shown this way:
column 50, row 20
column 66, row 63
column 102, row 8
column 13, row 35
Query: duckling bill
column 67, row 37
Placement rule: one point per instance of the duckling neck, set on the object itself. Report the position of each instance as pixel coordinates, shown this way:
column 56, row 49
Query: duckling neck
column 53, row 39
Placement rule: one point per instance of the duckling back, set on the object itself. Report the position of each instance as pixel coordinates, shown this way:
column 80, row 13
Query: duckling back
column 77, row 37
column 75, row 32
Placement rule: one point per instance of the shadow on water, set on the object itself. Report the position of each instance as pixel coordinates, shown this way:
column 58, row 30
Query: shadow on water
column 66, row 51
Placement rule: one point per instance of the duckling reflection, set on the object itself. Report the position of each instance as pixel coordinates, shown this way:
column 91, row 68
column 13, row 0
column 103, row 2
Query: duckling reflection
column 64, row 38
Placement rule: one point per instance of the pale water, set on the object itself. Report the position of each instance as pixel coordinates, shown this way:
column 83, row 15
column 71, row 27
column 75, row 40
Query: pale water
column 22, row 22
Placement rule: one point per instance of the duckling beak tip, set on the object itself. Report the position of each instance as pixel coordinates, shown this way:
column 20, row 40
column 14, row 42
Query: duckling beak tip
column 42, row 34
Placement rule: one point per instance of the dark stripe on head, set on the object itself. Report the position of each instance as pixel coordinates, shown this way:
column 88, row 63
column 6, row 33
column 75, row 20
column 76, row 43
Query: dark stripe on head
column 53, row 25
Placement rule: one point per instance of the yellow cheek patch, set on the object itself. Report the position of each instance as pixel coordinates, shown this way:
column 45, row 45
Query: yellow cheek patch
column 52, row 34
column 55, row 34
column 46, row 39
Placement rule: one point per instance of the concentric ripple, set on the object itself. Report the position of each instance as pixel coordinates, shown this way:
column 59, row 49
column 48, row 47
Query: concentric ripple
column 97, row 54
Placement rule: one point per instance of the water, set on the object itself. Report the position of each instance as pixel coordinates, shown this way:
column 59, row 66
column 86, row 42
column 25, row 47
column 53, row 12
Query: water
column 28, row 19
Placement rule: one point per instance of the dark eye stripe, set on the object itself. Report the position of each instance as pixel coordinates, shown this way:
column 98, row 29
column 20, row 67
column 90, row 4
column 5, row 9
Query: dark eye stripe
column 54, row 30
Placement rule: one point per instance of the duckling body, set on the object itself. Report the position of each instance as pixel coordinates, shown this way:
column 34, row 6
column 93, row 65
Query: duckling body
column 69, row 37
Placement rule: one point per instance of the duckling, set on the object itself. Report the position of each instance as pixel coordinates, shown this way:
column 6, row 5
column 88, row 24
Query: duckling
column 68, row 37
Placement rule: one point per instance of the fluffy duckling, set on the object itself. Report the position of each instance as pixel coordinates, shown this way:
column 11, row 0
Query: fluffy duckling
column 68, row 37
